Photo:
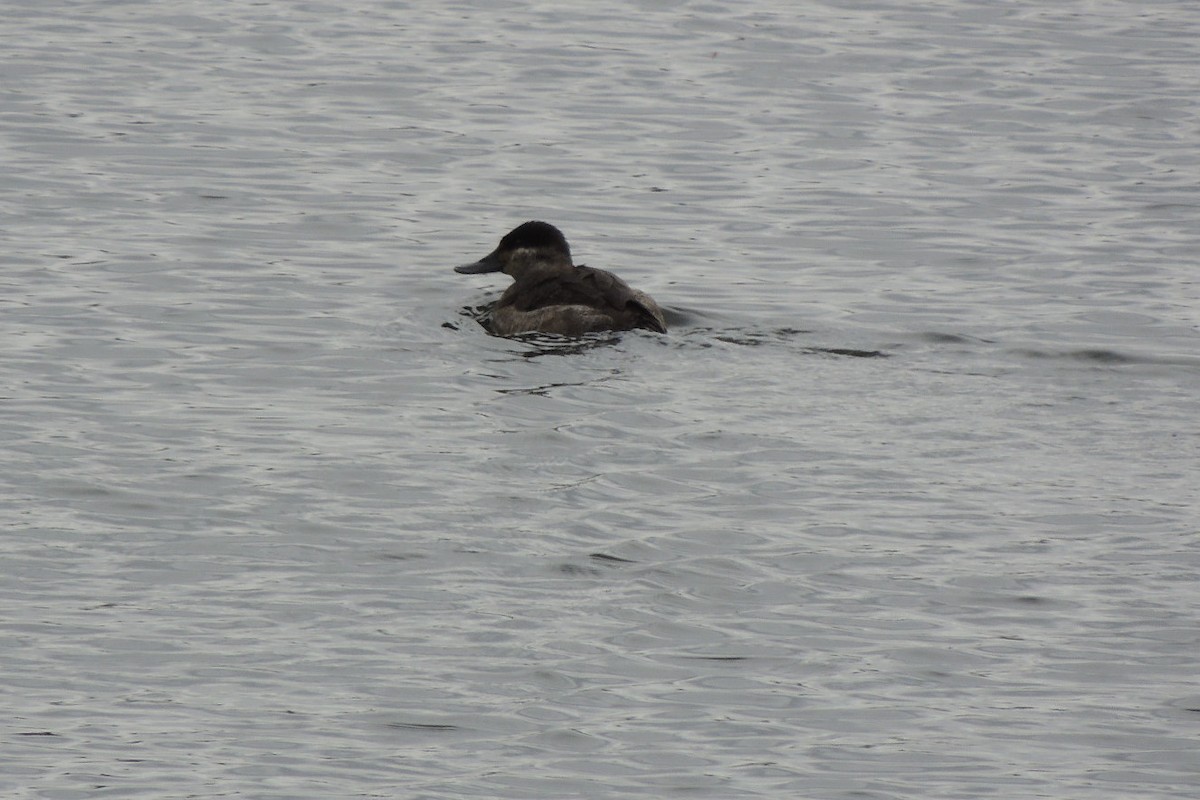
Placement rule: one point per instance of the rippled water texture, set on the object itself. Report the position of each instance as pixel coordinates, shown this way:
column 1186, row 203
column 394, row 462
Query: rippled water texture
column 904, row 506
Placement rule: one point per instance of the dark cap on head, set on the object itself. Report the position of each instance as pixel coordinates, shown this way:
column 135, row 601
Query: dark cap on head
column 535, row 234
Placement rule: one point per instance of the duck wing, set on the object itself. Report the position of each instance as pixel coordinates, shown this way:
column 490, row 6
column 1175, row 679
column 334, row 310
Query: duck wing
column 591, row 287
column 638, row 309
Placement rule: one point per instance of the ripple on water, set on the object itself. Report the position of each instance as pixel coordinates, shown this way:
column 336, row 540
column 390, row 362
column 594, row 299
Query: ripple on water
column 904, row 504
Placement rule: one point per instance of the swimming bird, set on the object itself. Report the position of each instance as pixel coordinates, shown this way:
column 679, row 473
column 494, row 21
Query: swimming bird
column 550, row 294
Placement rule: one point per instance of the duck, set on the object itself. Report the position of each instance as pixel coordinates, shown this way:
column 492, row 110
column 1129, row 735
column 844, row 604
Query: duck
column 551, row 294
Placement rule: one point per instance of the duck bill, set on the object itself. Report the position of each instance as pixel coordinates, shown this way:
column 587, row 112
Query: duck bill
column 489, row 263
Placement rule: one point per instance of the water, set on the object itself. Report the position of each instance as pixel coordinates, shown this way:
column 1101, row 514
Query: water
column 905, row 506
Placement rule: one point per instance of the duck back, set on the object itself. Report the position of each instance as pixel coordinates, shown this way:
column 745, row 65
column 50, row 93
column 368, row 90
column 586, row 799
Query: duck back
column 577, row 300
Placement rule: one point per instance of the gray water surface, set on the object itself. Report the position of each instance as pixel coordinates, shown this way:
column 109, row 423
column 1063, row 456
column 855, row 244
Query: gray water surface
column 904, row 506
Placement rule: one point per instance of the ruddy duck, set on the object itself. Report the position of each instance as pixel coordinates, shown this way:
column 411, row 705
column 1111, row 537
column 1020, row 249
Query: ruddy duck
column 550, row 294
